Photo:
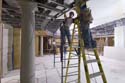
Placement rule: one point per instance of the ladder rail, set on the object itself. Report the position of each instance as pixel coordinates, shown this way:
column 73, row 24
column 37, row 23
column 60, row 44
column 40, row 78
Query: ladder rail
column 100, row 66
column 69, row 57
column 83, row 53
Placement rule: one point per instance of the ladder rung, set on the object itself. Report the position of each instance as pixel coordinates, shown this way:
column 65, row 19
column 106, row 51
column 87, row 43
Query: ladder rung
column 71, row 75
column 70, row 59
column 72, row 81
column 91, row 61
column 90, row 54
column 74, row 64
column 73, row 72
column 70, row 67
column 95, row 74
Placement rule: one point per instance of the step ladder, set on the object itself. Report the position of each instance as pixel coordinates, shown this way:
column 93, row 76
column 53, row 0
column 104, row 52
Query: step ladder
column 73, row 65
column 83, row 57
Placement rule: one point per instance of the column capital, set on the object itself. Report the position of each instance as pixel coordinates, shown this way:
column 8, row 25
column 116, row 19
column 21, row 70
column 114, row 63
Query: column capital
column 31, row 6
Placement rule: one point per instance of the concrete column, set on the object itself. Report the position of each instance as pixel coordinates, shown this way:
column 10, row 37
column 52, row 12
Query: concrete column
column 119, row 36
column 27, row 74
column 41, row 46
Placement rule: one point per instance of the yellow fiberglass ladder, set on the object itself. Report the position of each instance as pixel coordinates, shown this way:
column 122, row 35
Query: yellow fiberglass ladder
column 83, row 57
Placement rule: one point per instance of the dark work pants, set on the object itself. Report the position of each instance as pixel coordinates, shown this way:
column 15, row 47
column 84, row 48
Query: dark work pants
column 65, row 32
column 87, row 36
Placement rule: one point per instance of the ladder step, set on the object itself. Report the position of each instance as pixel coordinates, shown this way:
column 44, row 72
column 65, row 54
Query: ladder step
column 90, row 54
column 74, row 64
column 95, row 74
column 73, row 72
column 72, row 81
column 92, row 61
column 71, row 75
column 70, row 59
column 71, row 67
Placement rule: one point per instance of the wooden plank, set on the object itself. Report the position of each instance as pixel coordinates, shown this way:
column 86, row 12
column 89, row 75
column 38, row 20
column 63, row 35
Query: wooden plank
column 17, row 47
column 36, row 45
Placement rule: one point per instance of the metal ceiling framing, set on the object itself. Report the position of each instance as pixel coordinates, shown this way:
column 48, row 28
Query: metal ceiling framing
column 12, row 14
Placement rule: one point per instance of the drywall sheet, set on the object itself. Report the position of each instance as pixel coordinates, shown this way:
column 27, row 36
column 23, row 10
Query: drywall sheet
column 10, row 45
column 5, row 51
column 119, row 36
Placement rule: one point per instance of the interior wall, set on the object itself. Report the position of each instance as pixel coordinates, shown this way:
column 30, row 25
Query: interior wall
column 5, row 51
column 10, row 45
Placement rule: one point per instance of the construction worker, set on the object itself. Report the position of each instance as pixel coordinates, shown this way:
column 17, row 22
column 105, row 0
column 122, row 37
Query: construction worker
column 67, row 23
column 65, row 32
column 85, row 20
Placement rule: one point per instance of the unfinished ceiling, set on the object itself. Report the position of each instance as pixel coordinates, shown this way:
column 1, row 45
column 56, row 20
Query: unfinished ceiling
column 48, row 10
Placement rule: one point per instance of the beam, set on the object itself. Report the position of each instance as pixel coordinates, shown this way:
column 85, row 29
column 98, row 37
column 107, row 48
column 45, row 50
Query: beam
column 48, row 7
column 42, row 15
column 65, row 6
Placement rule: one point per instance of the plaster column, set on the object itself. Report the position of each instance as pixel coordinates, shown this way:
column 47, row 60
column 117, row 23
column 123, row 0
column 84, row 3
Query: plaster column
column 27, row 73
column 41, row 46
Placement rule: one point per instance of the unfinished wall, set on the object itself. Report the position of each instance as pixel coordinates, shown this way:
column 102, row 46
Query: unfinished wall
column 37, row 45
column 5, row 51
column 17, row 47
column 6, row 40
column 10, row 46
column 111, row 41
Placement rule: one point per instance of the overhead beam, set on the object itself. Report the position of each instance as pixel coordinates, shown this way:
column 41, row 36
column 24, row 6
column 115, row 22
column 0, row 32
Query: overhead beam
column 62, row 5
column 48, row 7
column 44, row 15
